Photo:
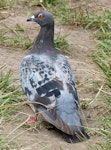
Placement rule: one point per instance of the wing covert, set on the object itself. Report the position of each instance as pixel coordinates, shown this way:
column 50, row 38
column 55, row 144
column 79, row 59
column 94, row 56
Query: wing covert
column 39, row 79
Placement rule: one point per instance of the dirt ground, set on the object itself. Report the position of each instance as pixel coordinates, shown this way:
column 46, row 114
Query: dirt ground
column 86, row 74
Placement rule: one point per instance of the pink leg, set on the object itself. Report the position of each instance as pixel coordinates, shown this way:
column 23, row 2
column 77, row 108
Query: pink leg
column 33, row 120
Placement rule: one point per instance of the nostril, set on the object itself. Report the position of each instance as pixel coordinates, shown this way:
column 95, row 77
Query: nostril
column 31, row 18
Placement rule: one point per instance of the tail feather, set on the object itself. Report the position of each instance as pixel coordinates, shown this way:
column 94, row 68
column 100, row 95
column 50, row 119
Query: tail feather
column 52, row 117
column 71, row 135
column 77, row 137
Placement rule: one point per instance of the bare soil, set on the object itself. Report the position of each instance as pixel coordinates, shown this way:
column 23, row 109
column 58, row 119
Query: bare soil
column 86, row 74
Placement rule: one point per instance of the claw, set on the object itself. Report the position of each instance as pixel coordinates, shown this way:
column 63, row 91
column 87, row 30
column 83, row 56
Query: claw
column 33, row 120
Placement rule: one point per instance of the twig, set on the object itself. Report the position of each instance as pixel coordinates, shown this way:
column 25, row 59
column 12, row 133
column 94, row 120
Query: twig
column 97, row 95
column 17, row 135
column 16, row 128
column 106, row 92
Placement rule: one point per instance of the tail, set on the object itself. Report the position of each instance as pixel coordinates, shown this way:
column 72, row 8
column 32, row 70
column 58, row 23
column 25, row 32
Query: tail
column 71, row 134
column 73, row 120
column 76, row 137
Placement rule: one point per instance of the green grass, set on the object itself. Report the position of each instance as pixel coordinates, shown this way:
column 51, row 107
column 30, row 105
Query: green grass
column 102, row 57
column 20, row 39
column 62, row 45
column 51, row 2
column 10, row 93
column 10, row 96
column 17, row 39
column 7, row 4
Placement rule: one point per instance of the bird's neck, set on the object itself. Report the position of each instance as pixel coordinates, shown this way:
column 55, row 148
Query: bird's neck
column 46, row 35
column 45, row 40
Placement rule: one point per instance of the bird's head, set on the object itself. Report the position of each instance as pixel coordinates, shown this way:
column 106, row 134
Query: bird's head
column 43, row 18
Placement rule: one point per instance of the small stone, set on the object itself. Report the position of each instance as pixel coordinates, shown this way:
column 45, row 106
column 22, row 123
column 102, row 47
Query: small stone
column 12, row 14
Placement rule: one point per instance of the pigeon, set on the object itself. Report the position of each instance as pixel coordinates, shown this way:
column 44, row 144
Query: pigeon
column 47, row 80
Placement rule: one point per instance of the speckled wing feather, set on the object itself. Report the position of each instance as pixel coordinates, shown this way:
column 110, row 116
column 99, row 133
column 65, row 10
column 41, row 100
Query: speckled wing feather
column 38, row 77
column 49, row 85
column 67, row 75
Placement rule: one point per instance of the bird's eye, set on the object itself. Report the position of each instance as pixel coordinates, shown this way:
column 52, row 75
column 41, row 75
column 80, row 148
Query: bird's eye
column 41, row 16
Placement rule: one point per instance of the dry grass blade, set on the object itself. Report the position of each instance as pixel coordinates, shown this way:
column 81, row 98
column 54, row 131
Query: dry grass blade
column 97, row 95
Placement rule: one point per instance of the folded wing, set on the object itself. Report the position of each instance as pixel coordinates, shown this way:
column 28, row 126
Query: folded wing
column 49, row 85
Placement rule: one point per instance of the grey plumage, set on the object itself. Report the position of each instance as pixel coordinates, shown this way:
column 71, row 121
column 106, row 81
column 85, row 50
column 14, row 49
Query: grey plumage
column 47, row 80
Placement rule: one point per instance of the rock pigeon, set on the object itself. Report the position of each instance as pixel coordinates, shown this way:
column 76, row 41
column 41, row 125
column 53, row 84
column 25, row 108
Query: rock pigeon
column 47, row 81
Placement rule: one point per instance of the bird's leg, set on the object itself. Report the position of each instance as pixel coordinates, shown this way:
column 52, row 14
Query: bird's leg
column 33, row 120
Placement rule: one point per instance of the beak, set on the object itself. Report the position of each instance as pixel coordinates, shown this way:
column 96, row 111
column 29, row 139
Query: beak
column 31, row 18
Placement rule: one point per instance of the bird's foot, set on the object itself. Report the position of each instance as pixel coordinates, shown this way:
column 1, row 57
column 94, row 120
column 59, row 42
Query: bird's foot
column 33, row 120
